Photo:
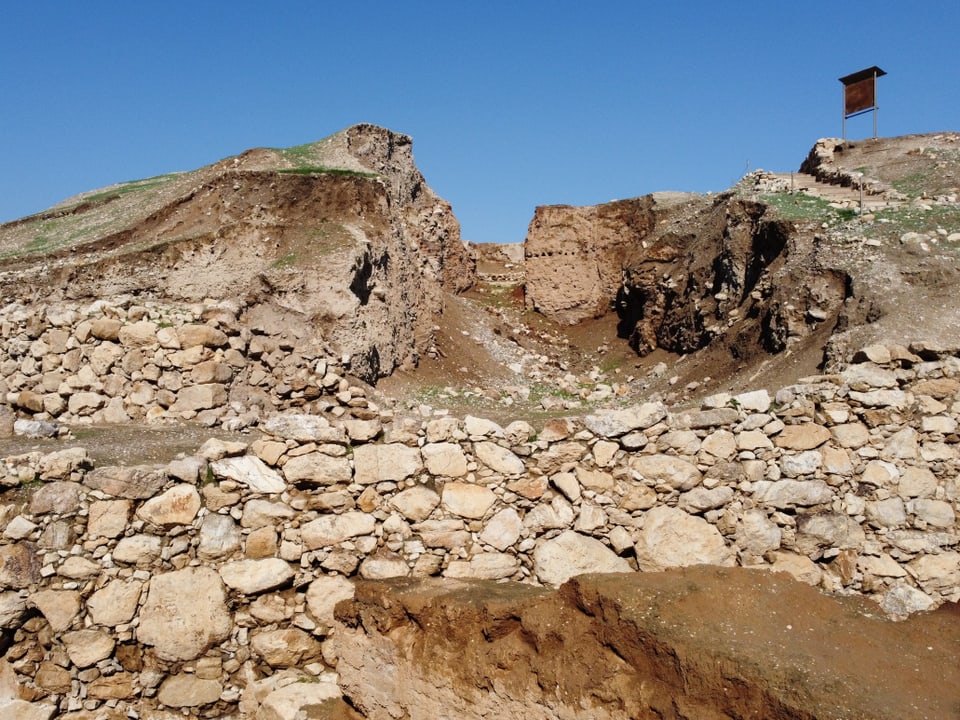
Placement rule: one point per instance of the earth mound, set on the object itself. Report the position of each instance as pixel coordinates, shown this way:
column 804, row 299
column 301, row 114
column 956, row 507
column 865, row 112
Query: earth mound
column 342, row 239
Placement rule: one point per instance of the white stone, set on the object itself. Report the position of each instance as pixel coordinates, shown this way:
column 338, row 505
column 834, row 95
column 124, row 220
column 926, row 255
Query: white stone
column 903, row 600
column 887, row 513
column 503, row 529
column 88, row 647
column 609, row 423
column 701, row 499
column 497, row 458
column 484, row 566
column 417, row 503
column 570, row 554
column 790, row 493
column 590, row 518
column 329, row 530
column 177, row 506
column 917, row 482
column 935, row 513
column 672, row 538
column 318, row 468
column 756, row 533
column 802, row 463
column 185, row 613
column 389, row 462
column 382, row 567
column 755, row 401
column 219, row 537
column 304, row 428
column 323, row 595
column 481, row 427
column 800, row 567
column 467, row 500
column 667, row 470
column 567, row 484
column 115, row 603
column 251, row 471
column 59, row 607
column 444, row 459
column 255, row 576
column 297, row 699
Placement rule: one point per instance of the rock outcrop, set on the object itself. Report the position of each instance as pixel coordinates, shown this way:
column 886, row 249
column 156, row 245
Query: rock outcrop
column 574, row 256
column 682, row 272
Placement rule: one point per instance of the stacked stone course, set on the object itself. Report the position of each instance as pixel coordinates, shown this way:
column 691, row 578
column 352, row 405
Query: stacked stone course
column 120, row 361
column 206, row 586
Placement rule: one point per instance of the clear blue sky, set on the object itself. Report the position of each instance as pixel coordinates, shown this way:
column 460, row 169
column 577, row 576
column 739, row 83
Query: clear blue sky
column 510, row 104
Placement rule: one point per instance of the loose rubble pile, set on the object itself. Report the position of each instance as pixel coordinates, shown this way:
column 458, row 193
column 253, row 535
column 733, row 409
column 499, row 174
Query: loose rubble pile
column 207, row 585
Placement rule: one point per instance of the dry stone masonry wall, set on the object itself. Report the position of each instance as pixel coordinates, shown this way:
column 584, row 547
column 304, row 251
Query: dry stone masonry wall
column 120, row 361
column 207, row 586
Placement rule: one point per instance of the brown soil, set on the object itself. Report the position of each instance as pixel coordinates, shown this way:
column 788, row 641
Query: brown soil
column 701, row 642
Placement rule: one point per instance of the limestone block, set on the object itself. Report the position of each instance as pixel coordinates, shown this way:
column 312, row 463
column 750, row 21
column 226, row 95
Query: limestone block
column 570, row 554
column 467, row 500
column 484, row 566
column 250, row 471
column 319, row 469
column 503, row 529
column 177, row 506
column 805, row 436
column 330, row 530
column 416, row 503
column 88, row 647
column 219, row 537
column 445, row 459
column 115, row 603
column 390, row 461
column 609, row 423
column 671, row 537
column 185, row 613
column 59, row 607
column 667, row 470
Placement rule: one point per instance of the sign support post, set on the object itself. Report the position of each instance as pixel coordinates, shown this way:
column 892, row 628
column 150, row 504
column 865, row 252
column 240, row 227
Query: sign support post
column 860, row 95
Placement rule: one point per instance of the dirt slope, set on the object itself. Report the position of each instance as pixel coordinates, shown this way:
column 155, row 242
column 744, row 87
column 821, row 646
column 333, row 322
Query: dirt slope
column 341, row 238
column 680, row 295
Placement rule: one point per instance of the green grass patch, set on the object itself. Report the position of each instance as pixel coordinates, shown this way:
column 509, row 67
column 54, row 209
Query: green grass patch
column 913, row 185
column 800, row 206
column 124, row 188
column 891, row 223
column 320, row 170
column 287, row 261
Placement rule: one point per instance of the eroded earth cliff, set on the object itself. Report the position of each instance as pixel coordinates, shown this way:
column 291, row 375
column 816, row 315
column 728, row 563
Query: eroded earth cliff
column 340, row 239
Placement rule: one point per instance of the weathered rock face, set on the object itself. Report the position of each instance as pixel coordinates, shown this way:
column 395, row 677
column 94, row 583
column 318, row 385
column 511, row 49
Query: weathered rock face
column 573, row 255
column 681, row 271
column 341, row 240
column 646, row 645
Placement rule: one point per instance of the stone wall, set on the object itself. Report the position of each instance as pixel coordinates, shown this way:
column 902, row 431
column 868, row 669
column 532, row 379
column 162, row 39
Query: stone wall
column 213, row 362
column 207, row 585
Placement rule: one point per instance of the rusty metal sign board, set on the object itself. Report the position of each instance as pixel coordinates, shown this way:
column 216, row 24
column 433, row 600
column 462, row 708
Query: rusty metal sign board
column 860, row 94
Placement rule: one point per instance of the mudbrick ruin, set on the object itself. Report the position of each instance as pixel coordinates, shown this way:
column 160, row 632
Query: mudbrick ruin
column 625, row 547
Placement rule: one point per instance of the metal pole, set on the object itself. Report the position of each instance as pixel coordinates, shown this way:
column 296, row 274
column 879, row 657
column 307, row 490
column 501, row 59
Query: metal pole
column 875, row 107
